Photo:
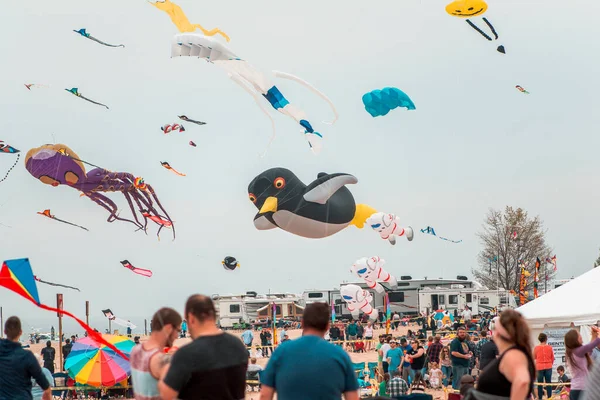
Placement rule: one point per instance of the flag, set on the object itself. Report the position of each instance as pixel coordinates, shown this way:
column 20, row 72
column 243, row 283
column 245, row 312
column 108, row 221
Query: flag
column 553, row 261
column 522, row 286
column 332, row 313
column 274, row 324
column 536, row 277
column 388, row 313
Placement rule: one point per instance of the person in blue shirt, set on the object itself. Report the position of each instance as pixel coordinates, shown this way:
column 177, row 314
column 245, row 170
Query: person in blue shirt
column 406, row 365
column 394, row 357
column 248, row 337
column 310, row 367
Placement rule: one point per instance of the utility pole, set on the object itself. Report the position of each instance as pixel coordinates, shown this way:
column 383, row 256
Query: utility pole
column 145, row 327
column 87, row 312
column 59, row 306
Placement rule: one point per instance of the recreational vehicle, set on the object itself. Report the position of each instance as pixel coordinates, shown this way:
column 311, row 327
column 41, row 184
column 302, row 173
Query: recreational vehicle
column 328, row 296
column 404, row 298
column 478, row 300
column 239, row 309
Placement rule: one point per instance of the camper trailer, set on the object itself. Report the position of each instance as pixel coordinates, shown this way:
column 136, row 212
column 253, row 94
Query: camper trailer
column 404, row 298
column 456, row 298
column 329, row 296
column 244, row 309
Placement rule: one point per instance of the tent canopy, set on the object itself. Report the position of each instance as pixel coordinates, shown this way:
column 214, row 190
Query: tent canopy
column 574, row 302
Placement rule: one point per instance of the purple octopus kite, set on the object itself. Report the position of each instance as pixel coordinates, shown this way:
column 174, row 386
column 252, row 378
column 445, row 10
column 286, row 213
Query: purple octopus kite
column 57, row 164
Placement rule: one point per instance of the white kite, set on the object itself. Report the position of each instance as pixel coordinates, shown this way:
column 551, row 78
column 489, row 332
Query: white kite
column 258, row 85
column 109, row 314
column 388, row 226
column 371, row 271
column 358, row 299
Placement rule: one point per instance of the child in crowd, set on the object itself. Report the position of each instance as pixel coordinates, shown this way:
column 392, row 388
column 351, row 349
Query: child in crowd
column 435, row 376
column 562, row 389
column 383, row 384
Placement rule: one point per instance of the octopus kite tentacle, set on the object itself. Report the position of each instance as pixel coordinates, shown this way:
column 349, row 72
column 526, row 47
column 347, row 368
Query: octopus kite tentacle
column 11, row 168
column 111, row 207
column 151, row 190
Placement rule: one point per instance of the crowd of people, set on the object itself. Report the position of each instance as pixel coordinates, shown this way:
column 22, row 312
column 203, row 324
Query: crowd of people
column 496, row 361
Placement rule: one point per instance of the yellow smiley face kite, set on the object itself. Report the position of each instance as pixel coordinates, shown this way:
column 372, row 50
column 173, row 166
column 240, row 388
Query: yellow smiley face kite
column 466, row 8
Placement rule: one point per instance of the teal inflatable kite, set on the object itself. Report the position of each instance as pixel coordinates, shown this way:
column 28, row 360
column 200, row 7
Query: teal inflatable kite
column 380, row 102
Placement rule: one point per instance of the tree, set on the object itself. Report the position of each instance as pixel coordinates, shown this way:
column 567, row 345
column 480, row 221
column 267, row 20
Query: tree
column 511, row 239
column 597, row 262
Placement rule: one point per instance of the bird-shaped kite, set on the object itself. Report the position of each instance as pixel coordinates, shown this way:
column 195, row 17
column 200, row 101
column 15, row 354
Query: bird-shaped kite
column 139, row 271
column 230, row 263
column 168, row 166
column 320, row 209
column 75, row 92
column 83, row 33
column 46, row 213
column 184, row 118
column 430, row 231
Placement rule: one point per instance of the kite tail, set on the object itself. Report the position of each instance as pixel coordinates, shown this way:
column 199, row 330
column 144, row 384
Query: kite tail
column 237, row 79
column 143, row 272
column 177, row 172
column 361, row 214
column 104, row 43
column 302, row 82
column 96, row 336
column 212, row 32
column 11, row 168
column 56, row 284
column 94, row 102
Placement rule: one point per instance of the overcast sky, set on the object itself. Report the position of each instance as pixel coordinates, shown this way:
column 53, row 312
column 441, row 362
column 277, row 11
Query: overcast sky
column 474, row 141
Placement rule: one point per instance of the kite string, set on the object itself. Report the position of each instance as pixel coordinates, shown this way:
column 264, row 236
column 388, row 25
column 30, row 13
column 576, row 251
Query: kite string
column 11, row 168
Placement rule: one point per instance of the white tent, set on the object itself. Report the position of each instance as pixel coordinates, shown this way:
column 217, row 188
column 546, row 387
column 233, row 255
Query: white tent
column 574, row 305
column 576, row 302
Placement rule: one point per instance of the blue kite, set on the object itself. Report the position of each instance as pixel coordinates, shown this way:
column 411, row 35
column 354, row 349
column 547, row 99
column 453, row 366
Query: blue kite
column 380, row 102
column 430, row 231
column 83, row 33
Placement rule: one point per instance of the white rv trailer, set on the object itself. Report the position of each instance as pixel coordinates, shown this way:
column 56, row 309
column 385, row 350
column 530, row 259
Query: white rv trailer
column 328, row 296
column 245, row 308
column 405, row 297
column 478, row 300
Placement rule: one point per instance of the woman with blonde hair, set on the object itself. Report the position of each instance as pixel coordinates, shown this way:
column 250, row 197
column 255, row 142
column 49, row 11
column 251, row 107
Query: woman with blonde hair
column 578, row 358
column 513, row 372
column 446, row 365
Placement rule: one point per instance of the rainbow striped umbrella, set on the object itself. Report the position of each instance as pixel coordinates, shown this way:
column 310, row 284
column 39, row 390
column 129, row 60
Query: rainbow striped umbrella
column 90, row 363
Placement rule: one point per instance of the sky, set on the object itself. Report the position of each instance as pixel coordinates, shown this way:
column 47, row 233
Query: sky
column 474, row 142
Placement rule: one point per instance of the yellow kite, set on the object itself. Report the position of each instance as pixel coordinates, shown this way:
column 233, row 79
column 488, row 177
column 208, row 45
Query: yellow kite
column 180, row 20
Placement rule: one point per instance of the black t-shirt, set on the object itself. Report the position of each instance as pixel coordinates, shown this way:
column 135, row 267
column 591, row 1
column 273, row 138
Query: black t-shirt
column 48, row 353
column 489, row 351
column 418, row 362
column 210, row 368
column 334, row 332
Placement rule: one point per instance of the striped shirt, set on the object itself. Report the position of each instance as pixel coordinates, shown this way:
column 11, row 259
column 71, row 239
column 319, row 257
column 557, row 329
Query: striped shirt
column 145, row 386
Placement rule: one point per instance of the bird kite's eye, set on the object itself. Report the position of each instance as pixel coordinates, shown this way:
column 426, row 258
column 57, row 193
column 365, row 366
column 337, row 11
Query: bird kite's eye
column 252, row 197
column 279, row 183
